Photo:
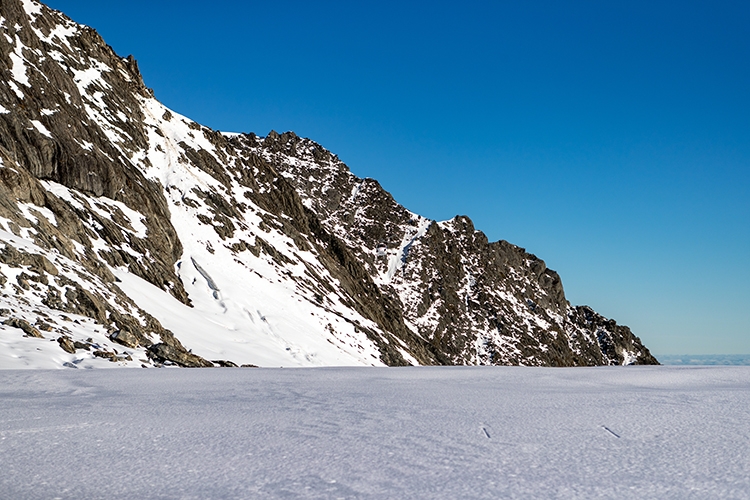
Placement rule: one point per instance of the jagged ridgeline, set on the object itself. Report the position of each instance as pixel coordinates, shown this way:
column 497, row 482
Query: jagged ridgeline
column 131, row 235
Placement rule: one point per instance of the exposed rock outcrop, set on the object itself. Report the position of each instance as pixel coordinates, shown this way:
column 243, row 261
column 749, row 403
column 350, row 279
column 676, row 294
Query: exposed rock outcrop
column 167, row 353
column 291, row 257
column 24, row 326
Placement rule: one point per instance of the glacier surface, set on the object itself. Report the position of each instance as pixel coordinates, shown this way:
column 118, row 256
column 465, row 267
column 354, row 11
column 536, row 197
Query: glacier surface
column 458, row 432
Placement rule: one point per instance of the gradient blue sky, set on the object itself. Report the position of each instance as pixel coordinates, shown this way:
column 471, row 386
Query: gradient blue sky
column 611, row 139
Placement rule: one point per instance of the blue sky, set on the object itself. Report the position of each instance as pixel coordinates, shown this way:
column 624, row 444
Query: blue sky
column 611, row 139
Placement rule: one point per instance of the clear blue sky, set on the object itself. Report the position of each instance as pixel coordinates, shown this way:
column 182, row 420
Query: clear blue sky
column 611, row 139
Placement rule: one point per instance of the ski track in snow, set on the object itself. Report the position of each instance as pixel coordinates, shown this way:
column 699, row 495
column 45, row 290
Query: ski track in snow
column 367, row 433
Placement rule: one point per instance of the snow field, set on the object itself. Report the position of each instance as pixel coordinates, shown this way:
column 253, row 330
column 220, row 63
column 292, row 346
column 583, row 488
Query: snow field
column 492, row 432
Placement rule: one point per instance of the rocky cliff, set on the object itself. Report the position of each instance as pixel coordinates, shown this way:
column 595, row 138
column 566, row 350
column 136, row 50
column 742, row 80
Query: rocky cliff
column 131, row 234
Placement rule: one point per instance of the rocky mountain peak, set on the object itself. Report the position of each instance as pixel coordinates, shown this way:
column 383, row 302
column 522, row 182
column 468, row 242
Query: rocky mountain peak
column 131, row 234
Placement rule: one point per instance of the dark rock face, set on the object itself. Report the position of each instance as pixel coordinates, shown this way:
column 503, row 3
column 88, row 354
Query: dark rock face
column 470, row 300
column 96, row 176
column 125, row 337
column 52, row 133
column 167, row 353
column 24, row 325
column 67, row 345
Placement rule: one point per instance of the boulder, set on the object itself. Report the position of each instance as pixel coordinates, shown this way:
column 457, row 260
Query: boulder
column 224, row 364
column 163, row 352
column 106, row 355
column 24, row 325
column 125, row 337
column 67, row 345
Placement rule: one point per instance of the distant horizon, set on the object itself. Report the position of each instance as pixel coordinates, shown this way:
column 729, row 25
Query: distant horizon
column 703, row 359
column 612, row 141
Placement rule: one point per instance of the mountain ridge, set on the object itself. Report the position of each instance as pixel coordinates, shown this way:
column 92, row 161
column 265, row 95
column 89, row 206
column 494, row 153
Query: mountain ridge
column 271, row 245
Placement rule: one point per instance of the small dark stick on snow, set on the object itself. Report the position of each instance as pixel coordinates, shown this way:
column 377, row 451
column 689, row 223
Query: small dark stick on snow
column 488, row 434
column 610, row 431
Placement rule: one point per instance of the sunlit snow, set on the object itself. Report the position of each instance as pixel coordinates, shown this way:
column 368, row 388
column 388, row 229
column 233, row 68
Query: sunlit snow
column 372, row 433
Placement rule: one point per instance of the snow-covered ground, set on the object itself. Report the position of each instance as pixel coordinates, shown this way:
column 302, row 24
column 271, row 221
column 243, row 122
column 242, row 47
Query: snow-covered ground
column 500, row 432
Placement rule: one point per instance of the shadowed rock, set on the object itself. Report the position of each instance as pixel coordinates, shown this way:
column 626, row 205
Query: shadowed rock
column 24, row 325
column 162, row 353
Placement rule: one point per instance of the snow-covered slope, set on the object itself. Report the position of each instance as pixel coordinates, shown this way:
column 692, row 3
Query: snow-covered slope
column 132, row 235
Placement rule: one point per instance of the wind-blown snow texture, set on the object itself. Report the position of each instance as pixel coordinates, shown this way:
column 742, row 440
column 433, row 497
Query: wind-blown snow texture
column 360, row 433
column 132, row 235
